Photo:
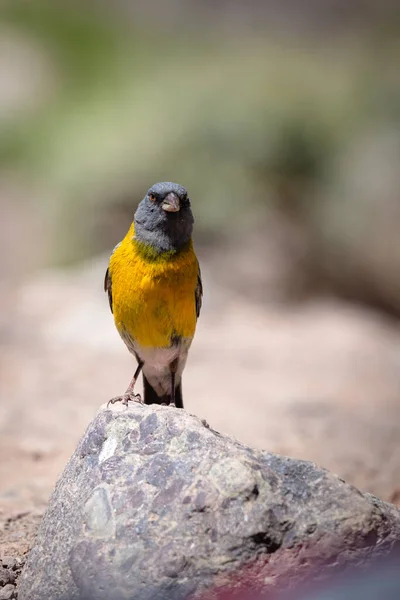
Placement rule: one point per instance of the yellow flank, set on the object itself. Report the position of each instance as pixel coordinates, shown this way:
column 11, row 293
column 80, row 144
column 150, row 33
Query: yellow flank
column 153, row 297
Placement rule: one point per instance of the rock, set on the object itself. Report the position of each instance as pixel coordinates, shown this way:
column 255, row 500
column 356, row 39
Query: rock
column 8, row 592
column 7, row 579
column 5, row 576
column 154, row 504
column 10, row 569
column 9, row 562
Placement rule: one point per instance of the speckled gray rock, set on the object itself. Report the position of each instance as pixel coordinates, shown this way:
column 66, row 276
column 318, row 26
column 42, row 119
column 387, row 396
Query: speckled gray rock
column 156, row 505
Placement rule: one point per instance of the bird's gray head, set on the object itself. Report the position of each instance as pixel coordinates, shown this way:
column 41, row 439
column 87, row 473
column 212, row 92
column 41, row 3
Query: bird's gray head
column 164, row 219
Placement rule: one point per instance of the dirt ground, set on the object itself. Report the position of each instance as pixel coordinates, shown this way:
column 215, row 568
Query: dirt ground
column 318, row 380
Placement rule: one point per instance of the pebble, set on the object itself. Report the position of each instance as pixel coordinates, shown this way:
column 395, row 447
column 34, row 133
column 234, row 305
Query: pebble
column 9, row 563
column 4, row 576
column 8, row 592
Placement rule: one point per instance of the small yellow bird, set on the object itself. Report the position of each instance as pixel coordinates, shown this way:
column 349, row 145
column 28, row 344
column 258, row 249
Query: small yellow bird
column 155, row 292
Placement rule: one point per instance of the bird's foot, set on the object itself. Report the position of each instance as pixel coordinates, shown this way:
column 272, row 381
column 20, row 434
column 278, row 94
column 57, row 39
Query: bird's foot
column 125, row 399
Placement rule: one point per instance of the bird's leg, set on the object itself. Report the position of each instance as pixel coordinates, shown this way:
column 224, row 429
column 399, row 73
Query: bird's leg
column 172, row 403
column 129, row 394
column 173, row 367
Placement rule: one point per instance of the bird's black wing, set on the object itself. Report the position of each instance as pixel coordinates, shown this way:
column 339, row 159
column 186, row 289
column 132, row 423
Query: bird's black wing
column 108, row 288
column 198, row 294
column 108, row 281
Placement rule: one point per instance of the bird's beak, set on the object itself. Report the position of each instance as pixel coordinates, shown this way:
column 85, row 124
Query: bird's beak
column 171, row 203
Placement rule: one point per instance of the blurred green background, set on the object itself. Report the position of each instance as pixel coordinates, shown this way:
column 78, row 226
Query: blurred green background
column 281, row 119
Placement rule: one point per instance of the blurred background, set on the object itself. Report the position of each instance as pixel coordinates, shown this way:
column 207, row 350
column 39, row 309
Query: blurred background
column 282, row 119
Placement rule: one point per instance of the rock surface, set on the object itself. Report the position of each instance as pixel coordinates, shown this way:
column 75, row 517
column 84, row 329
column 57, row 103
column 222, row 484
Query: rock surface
column 156, row 505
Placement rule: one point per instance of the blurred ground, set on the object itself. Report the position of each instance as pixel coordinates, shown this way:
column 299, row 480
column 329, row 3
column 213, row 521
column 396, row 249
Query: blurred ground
column 319, row 380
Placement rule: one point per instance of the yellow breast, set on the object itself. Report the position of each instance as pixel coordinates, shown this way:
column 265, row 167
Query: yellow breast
column 153, row 296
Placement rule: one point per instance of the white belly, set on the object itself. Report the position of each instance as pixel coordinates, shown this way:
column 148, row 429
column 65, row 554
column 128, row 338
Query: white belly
column 157, row 361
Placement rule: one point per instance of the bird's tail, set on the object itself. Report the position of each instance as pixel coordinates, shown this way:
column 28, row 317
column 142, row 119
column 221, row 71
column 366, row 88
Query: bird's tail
column 150, row 395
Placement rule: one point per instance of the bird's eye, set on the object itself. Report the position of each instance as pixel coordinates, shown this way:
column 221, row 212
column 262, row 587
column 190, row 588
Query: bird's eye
column 152, row 197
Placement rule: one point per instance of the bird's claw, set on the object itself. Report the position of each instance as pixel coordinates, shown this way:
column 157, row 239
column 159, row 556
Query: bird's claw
column 125, row 399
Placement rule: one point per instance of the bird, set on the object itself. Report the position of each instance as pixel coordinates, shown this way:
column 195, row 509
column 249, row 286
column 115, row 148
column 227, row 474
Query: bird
column 155, row 293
